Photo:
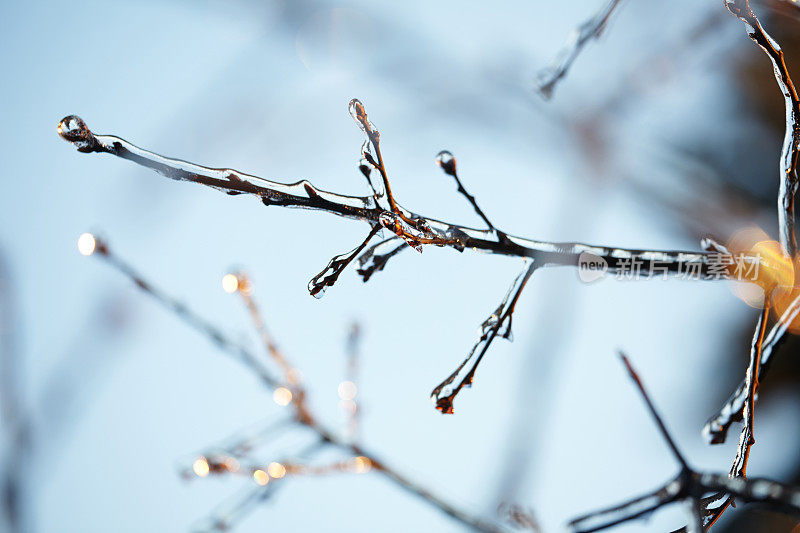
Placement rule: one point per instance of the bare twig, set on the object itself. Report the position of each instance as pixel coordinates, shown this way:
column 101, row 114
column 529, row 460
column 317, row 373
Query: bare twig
column 592, row 28
column 692, row 486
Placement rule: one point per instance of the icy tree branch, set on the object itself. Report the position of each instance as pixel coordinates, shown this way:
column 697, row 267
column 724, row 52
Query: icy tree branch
column 414, row 229
column 592, row 28
column 382, row 211
column 790, row 153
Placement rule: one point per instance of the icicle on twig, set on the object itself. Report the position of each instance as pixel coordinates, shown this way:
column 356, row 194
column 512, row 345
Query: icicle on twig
column 445, row 393
column 548, row 78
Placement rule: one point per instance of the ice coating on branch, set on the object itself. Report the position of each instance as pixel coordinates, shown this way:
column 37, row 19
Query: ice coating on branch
column 413, row 237
column 359, row 114
column 374, row 259
column 445, row 393
column 72, row 128
column 335, row 267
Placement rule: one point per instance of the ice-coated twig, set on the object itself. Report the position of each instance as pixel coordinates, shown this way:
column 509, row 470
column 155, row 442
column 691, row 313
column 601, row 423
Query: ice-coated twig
column 519, row 517
column 656, row 417
column 348, row 389
column 100, row 248
column 244, row 441
column 447, row 162
column 244, row 288
column 692, row 486
column 227, row 514
column 716, row 429
column 302, row 415
column 548, row 78
column 445, row 393
column 710, row 244
column 414, row 229
column 382, row 210
column 629, row 510
column 326, row 278
column 733, row 410
column 790, row 154
column 375, row 257
column 746, row 439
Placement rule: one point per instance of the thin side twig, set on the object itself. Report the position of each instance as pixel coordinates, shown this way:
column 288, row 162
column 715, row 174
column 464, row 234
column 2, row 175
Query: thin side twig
column 691, row 486
column 445, row 393
column 548, row 78
column 716, row 429
column 302, row 414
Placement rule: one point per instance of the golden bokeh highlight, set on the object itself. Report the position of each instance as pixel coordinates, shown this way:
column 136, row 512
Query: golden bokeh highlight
column 260, row 477
column 276, row 470
column 200, row 467
column 776, row 271
column 282, row 396
column 360, row 464
column 86, row 244
column 230, row 283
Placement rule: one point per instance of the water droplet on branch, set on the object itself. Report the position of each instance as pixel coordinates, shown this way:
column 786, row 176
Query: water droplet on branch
column 447, row 162
column 72, row 128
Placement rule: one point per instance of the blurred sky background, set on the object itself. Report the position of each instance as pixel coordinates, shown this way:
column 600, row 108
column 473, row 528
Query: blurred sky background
column 654, row 138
